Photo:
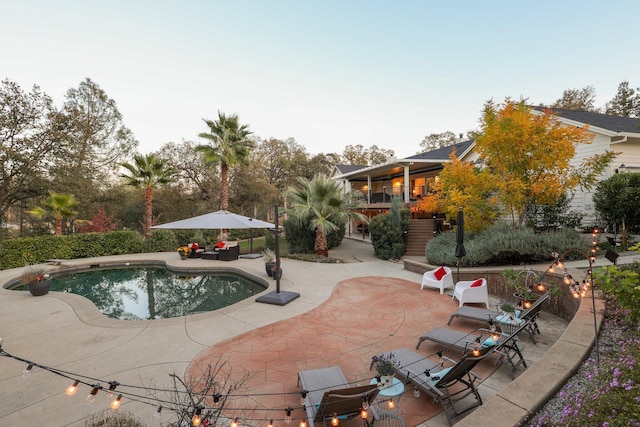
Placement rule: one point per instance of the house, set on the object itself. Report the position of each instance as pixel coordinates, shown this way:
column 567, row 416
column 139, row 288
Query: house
column 413, row 177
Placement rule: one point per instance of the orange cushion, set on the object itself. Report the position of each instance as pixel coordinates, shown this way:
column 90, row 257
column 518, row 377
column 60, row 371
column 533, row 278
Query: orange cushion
column 476, row 283
column 439, row 273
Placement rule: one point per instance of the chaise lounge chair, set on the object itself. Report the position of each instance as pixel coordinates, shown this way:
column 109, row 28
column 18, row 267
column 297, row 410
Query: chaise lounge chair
column 508, row 348
column 448, row 386
column 484, row 315
column 329, row 394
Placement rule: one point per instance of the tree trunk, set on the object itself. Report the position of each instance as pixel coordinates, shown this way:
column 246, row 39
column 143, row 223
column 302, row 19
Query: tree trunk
column 224, row 186
column 320, row 247
column 58, row 230
column 148, row 211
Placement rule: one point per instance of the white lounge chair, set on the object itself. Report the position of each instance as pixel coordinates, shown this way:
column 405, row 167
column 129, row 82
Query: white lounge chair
column 472, row 291
column 440, row 278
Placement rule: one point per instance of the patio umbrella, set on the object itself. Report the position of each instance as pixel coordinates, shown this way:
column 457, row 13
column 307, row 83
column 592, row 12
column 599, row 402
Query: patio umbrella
column 221, row 219
column 460, row 250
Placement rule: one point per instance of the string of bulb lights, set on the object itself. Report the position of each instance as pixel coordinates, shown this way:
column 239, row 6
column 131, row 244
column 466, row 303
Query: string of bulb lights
column 118, row 391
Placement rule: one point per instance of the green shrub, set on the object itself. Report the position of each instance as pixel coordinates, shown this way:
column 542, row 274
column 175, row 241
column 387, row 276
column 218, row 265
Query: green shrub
column 161, row 241
column 502, row 244
column 301, row 240
column 387, row 232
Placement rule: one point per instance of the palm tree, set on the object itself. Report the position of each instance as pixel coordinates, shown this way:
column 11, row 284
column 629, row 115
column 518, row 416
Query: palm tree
column 230, row 146
column 322, row 203
column 61, row 205
column 148, row 172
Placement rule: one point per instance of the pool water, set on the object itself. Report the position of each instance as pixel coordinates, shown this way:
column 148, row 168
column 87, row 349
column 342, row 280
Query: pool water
column 155, row 293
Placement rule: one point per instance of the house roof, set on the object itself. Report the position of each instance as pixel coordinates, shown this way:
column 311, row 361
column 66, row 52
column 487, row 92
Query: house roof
column 423, row 162
column 615, row 124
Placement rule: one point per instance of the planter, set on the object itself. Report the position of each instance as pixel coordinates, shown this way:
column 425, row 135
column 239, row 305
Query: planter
column 385, row 381
column 269, row 266
column 276, row 274
column 183, row 256
column 40, row 287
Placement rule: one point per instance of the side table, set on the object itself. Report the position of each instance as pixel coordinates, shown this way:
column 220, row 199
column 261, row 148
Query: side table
column 390, row 396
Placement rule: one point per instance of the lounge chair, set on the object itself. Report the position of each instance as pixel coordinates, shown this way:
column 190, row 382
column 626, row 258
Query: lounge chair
column 329, row 394
column 230, row 253
column 508, row 348
column 447, row 386
column 440, row 278
column 484, row 315
column 472, row 291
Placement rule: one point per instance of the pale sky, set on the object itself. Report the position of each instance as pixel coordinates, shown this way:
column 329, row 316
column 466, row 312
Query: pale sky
column 326, row 73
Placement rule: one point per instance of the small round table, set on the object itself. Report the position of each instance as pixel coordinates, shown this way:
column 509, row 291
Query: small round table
column 390, row 416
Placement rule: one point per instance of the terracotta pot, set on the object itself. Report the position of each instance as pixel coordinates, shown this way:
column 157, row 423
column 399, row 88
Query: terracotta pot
column 40, row 287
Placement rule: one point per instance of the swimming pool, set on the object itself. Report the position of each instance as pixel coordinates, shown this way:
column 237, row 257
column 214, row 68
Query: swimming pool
column 155, row 293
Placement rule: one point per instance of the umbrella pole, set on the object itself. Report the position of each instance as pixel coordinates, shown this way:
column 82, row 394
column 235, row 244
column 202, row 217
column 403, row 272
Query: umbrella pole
column 277, row 297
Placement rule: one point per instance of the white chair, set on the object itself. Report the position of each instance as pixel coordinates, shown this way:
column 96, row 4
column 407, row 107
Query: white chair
column 474, row 291
column 430, row 279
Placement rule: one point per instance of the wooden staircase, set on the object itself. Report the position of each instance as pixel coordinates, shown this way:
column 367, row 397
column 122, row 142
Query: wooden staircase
column 420, row 232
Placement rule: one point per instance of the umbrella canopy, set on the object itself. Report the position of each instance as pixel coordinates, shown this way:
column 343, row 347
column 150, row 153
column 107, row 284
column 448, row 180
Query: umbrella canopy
column 214, row 220
column 460, row 250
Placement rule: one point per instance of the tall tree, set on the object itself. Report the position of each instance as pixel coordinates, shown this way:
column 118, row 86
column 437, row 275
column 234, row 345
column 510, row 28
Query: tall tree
column 529, row 156
column 625, row 103
column 617, row 200
column 148, row 172
column 229, row 146
column 96, row 139
column 28, row 143
column 322, row 203
column 358, row 155
column 577, row 99
column 60, row 205
column 437, row 140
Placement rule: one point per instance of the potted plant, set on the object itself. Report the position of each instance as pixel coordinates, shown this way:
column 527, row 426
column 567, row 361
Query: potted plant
column 184, row 251
column 37, row 280
column 385, row 366
column 523, row 287
column 508, row 309
column 269, row 261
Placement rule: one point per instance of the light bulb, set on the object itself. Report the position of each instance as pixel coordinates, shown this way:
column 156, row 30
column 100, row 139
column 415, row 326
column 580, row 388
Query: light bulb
column 196, row 420
column 216, row 399
column 115, row 403
column 234, row 423
column 91, row 397
column 303, row 423
column 303, row 398
column 540, row 287
column 364, row 414
column 71, row 390
column 334, row 420
column 287, row 418
column 365, row 403
column 391, row 404
column 26, row 373
column 270, row 423
column 527, row 304
column 416, row 392
column 158, row 415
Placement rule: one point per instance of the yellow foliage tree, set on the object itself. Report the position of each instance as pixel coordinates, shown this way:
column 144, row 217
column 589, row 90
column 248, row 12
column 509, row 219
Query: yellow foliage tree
column 527, row 156
column 462, row 185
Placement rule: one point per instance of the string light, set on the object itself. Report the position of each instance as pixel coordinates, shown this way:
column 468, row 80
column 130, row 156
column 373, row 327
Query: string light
column 91, row 397
column 270, row 423
column 303, row 423
column 416, row 392
column 287, row 418
column 216, row 399
column 26, row 373
column 115, row 403
column 196, row 420
column 391, row 404
column 71, row 390
column 365, row 403
column 364, row 414
column 112, row 387
column 158, row 415
column 303, row 397
column 234, row 423
column 334, row 420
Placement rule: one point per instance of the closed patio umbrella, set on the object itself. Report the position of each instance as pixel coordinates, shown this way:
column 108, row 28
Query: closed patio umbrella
column 460, row 250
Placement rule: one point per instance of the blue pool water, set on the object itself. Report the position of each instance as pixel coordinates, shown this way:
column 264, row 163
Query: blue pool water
column 155, row 293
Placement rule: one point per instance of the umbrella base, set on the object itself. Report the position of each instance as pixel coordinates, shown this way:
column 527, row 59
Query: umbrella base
column 278, row 298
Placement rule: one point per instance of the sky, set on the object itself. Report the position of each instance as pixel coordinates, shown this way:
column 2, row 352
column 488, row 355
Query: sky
column 325, row 73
